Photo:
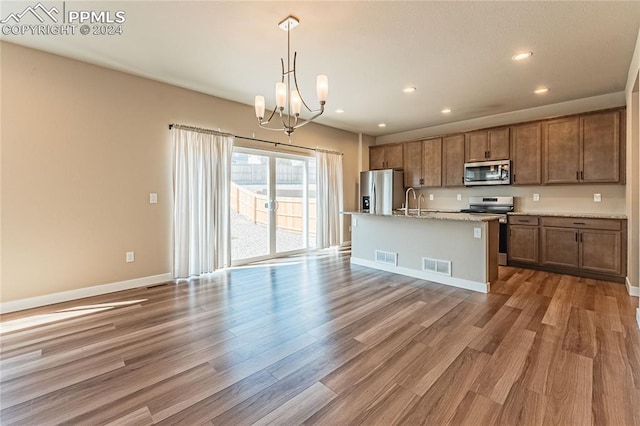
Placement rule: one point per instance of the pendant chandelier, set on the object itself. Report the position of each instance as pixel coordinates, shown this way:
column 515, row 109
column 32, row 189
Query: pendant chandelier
column 289, row 101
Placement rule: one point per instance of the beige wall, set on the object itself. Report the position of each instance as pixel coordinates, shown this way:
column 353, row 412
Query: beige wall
column 633, row 187
column 561, row 199
column 82, row 148
column 633, row 163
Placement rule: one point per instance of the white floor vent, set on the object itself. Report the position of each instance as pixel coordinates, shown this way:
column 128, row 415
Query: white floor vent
column 387, row 257
column 437, row 266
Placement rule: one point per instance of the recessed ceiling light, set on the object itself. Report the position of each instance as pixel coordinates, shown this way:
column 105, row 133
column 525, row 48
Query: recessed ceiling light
column 339, row 111
column 521, row 56
column 382, row 125
column 541, row 90
column 446, row 111
column 409, row 89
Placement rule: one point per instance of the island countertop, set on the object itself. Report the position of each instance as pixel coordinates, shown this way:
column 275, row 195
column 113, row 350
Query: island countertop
column 436, row 215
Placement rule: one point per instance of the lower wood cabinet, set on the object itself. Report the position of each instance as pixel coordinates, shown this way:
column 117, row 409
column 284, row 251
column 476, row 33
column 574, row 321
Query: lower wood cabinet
column 523, row 239
column 560, row 247
column 600, row 251
column 586, row 247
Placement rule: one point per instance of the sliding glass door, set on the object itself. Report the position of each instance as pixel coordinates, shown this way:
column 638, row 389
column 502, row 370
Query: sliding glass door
column 272, row 204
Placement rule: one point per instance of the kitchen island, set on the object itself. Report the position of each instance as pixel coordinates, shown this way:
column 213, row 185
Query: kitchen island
column 457, row 249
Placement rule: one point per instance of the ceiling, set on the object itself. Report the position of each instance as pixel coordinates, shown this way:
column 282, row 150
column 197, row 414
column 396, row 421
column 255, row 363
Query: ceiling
column 457, row 54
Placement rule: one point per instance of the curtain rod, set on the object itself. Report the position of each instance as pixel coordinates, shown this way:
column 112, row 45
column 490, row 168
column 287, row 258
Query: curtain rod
column 215, row 132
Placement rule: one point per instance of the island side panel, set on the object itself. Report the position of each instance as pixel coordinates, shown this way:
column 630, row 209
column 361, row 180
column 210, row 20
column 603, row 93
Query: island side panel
column 415, row 238
column 493, row 244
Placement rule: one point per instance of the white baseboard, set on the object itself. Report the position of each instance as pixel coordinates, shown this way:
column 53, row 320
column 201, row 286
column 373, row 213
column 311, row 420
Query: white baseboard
column 424, row 275
column 65, row 296
column 632, row 290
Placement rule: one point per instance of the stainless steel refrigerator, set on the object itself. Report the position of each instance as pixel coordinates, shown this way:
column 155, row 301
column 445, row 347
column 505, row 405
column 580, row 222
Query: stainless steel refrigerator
column 381, row 191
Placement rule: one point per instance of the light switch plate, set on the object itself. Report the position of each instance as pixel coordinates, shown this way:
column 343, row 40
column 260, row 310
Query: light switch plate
column 597, row 198
column 477, row 232
column 459, row 197
column 536, row 197
column 153, row 198
column 130, row 257
column 431, row 197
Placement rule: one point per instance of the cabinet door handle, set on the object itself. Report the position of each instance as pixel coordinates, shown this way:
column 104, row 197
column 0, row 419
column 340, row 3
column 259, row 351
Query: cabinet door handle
column 581, row 237
column 576, row 235
column 578, row 175
column 579, row 223
column 514, row 178
column 581, row 174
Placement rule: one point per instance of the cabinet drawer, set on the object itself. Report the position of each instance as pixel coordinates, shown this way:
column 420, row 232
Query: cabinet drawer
column 582, row 223
column 523, row 220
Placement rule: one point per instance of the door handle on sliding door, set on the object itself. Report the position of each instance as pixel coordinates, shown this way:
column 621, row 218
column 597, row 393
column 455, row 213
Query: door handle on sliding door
column 271, row 205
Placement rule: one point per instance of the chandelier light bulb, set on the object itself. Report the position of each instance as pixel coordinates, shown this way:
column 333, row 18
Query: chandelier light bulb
column 259, row 104
column 281, row 94
column 296, row 102
column 322, row 87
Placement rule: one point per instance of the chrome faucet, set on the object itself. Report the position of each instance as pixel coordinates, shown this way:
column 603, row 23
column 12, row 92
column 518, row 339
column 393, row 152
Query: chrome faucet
column 421, row 197
column 406, row 200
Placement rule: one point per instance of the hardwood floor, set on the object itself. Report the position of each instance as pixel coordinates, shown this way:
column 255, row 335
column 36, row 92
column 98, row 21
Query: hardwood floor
column 314, row 340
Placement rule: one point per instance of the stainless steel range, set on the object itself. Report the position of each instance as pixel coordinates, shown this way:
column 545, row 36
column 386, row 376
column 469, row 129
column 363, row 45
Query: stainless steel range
column 498, row 206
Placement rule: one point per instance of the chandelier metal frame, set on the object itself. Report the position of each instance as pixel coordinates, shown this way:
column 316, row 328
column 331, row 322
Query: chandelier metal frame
column 291, row 97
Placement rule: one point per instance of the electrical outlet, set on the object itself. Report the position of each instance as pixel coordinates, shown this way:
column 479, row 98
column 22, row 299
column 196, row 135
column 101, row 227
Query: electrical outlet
column 153, row 198
column 129, row 257
column 536, row 197
column 431, row 197
column 597, row 198
column 477, row 232
column 459, row 197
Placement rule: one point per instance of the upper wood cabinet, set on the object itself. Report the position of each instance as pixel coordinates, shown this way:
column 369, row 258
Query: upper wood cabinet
column 487, row 145
column 413, row 164
column 583, row 149
column 526, row 154
column 423, row 163
column 385, row 156
column 376, row 157
column 562, row 150
column 432, row 162
column 600, row 147
column 453, row 160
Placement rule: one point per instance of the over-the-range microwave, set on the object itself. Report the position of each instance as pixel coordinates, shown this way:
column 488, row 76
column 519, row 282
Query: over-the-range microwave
column 487, row 173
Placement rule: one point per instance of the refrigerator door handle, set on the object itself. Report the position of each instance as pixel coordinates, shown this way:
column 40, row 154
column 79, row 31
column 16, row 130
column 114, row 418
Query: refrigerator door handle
column 373, row 198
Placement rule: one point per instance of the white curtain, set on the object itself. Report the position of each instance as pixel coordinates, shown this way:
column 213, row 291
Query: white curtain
column 202, row 176
column 329, row 199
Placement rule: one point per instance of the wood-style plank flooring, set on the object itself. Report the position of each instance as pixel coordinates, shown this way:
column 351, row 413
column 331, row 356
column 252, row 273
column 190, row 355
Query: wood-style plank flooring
column 315, row 340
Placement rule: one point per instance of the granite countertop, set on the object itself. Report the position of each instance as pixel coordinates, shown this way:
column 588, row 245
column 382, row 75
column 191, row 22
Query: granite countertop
column 437, row 215
column 581, row 215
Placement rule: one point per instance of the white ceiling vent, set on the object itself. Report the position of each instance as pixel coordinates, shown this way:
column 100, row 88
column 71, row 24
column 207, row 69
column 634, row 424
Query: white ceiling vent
column 386, row 257
column 437, row 266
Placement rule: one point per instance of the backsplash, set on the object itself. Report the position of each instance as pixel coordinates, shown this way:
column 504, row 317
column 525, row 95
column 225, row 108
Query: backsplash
column 553, row 199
